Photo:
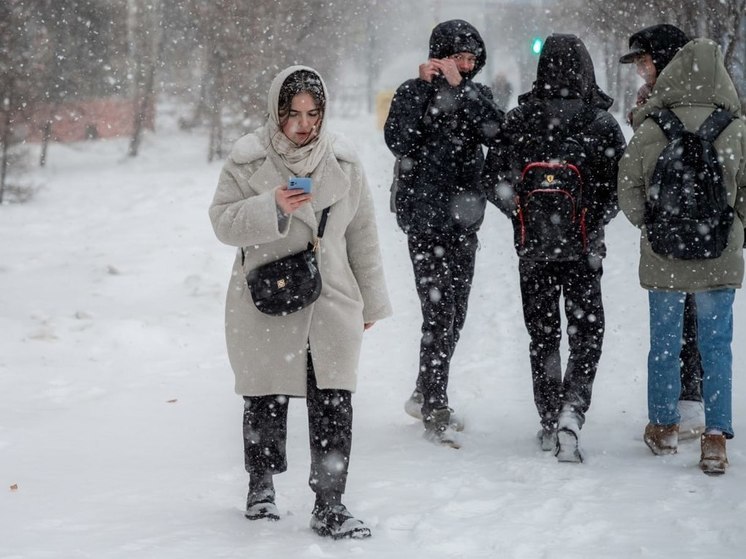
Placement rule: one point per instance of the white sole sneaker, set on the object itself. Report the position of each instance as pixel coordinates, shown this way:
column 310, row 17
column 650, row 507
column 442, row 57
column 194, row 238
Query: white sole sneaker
column 447, row 437
column 568, row 449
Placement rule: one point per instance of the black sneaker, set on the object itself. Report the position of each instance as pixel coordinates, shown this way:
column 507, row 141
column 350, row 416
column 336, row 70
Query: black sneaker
column 336, row 522
column 438, row 429
column 260, row 504
column 413, row 407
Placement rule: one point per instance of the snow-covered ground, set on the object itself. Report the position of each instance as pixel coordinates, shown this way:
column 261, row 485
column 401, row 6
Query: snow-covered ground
column 120, row 434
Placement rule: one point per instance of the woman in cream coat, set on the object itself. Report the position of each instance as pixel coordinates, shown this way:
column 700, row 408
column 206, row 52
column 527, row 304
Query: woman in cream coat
column 314, row 352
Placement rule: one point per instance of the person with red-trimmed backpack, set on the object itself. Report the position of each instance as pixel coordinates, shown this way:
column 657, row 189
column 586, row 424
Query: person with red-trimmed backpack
column 553, row 173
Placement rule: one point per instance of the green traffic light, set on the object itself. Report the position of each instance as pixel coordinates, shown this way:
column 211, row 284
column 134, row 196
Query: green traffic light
column 536, row 45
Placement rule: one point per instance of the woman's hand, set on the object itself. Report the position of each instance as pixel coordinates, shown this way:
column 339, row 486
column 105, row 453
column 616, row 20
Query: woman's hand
column 289, row 200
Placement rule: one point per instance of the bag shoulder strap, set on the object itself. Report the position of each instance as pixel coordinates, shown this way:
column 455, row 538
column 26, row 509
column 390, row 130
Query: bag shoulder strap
column 668, row 122
column 322, row 223
column 714, row 124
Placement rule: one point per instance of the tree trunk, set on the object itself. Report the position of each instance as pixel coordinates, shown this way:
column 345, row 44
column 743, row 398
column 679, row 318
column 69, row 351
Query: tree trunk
column 216, row 120
column 148, row 46
column 46, row 136
column 4, row 161
column 143, row 104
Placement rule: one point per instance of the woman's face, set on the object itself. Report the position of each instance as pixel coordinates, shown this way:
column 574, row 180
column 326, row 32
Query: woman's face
column 645, row 68
column 303, row 120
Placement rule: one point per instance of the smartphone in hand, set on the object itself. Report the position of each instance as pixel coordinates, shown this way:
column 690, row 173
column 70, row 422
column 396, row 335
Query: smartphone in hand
column 300, row 183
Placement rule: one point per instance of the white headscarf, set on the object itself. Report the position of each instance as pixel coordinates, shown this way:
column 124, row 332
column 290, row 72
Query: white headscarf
column 301, row 160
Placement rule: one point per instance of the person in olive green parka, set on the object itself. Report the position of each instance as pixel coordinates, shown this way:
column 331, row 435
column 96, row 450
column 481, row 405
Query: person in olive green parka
column 692, row 85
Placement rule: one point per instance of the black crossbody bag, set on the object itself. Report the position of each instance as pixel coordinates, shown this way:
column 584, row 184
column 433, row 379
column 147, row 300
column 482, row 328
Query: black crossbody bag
column 291, row 283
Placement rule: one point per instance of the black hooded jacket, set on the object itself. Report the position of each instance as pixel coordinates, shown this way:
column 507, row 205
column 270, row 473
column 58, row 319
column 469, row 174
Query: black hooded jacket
column 564, row 101
column 437, row 131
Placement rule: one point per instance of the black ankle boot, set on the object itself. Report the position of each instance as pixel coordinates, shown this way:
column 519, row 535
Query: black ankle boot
column 330, row 518
column 260, row 503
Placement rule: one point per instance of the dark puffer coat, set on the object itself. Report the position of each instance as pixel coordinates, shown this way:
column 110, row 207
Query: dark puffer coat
column 437, row 131
column 564, row 95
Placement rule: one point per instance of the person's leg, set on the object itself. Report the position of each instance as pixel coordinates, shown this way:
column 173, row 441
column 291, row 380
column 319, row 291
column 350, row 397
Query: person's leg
column 433, row 272
column 464, row 253
column 330, row 437
column 540, row 293
column 715, row 321
column 264, row 435
column 691, row 362
column 666, row 324
column 585, row 333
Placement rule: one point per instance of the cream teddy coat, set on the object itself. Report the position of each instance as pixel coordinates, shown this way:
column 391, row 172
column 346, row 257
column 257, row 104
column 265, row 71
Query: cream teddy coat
column 268, row 354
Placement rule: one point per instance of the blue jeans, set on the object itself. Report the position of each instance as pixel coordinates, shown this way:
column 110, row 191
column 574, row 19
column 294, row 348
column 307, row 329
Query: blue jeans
column 715, row 329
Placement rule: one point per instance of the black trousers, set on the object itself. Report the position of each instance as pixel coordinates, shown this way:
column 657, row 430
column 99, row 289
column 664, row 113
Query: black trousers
column 691, row 362
column 330, row 434
column 443, row 272
column 579, row 282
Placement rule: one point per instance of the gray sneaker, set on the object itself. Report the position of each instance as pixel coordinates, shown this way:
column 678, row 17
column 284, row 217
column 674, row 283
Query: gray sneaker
column 413, row 407
column 568, row 431
column 547, row 439
column 438, row 429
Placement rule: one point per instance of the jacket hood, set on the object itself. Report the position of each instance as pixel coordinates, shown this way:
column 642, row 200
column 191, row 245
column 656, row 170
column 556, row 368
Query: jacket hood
column 454, row 36
column 565, row 71
column 695, row 77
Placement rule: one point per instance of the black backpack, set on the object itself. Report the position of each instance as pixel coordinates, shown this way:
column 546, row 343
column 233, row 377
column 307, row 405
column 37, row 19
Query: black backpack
column 549, row 222
column 687, row 215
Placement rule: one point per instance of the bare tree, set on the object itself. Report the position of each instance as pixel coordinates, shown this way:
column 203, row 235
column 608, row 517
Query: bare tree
column 16, row 76
column 145, row 44
column 239, row 46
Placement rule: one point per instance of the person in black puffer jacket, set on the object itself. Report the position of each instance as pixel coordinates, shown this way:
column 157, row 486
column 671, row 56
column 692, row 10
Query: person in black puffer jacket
column 436, row 127
column 565, row 101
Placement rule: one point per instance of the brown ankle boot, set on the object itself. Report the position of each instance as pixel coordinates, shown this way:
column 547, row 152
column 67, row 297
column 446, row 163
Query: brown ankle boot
column 662, row 439
column 713, row 460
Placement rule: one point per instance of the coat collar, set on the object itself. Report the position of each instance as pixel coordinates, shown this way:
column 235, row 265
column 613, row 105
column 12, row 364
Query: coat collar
column 330, row 182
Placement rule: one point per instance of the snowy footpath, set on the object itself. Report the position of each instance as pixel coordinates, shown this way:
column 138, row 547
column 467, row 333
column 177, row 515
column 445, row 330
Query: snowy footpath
column 120, row 434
